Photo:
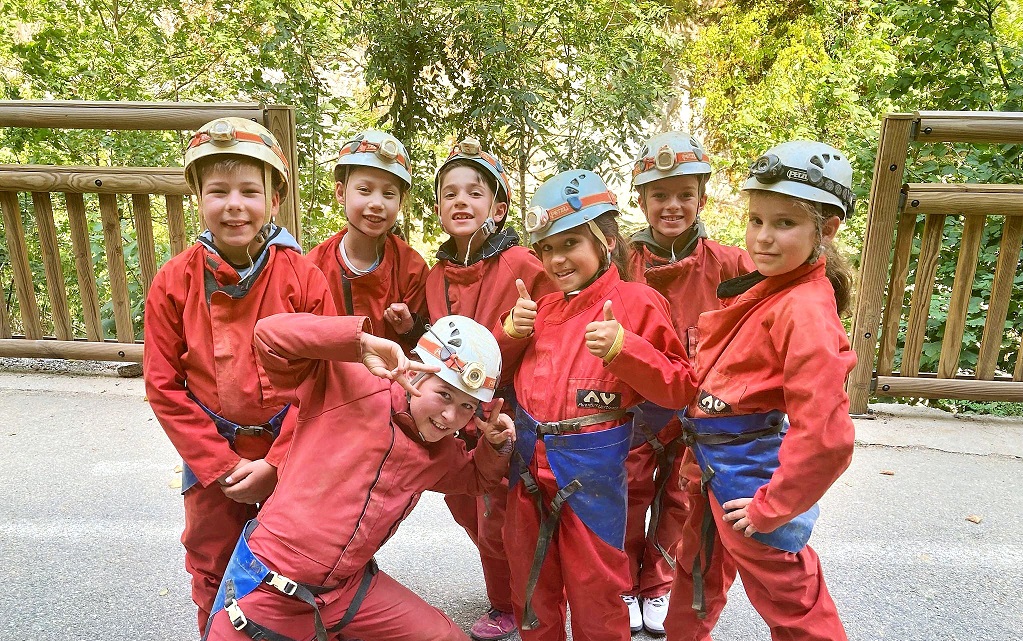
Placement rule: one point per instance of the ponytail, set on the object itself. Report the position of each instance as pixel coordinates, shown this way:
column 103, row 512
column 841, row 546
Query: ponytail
column 840, row 274
column 608, row 224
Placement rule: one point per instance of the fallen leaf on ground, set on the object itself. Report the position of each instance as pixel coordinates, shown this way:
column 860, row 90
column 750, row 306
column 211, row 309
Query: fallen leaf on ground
column 888, row 472
column 177, row 468
column 973, row 518
column 164, row 592
column 175, row 482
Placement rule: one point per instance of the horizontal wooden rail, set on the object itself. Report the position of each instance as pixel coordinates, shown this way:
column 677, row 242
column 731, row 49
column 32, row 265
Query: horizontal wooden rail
column 1002, row 127
column 94, row 180
column 149, row 116
column 968, row 199
column 949, row 388
column 71, row 350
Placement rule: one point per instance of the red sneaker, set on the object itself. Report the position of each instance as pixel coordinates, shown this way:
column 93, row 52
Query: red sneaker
column 493, row 625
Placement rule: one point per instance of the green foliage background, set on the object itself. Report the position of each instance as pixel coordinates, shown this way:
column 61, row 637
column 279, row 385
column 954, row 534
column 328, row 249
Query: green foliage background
column 548, row 85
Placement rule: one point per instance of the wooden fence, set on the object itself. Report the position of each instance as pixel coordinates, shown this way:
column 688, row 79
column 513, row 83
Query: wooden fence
column 888, row 258
column 111, row 186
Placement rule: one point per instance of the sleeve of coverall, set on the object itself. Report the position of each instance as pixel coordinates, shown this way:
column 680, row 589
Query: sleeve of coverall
column 190, row 429
column 652, row 360
column 476, row 473
column 316, row 299
column 819, row 444
column 291, row 345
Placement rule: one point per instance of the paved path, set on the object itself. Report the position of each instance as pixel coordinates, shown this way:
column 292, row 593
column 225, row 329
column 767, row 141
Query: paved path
column 90, row 520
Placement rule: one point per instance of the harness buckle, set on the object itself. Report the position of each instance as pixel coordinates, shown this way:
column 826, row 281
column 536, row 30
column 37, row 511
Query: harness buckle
column 556, row 428
column 252, row 430
column 238, row 620
column 282, row 583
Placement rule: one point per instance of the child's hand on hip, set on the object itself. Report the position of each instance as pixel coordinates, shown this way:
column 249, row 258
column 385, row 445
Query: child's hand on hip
column 735, row 510
column 399, row 317
column 601, row 334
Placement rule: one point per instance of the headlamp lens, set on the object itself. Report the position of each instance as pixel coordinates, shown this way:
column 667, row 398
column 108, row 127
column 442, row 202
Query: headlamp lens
column 469, row 147
column 221, row 131
column 473, row 376
column 388, row 149
column 665, row 159
column 536, row 218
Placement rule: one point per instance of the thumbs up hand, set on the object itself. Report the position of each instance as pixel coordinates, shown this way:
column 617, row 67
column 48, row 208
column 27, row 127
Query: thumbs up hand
column 601, row 334
column 523, row 315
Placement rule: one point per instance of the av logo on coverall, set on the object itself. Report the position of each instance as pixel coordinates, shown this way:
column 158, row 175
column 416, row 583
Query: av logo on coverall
column 713, row 405
column 597, row 399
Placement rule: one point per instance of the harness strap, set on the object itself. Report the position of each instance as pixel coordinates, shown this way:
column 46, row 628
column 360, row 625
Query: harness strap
column 547, row 527
column 666, row 456
column 346, row 289
column 360, row 595
column 573, row 425
column 239, row 622
column 230, row 430
column 692, row 437
column 707, row 534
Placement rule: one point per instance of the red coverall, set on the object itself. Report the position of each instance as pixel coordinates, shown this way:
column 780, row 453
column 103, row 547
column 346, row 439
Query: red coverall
column 399, row 278
column 651, row 365
column 355, row 470
column 483, row 291
column 208, row 347
column 690, row 285
column 778, row 345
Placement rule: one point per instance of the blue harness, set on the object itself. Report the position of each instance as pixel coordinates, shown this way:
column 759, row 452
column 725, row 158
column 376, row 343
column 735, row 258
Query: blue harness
column 230, row 431
column 595, row 459
column 738, row 456
column 590, row 472
column 245, row 572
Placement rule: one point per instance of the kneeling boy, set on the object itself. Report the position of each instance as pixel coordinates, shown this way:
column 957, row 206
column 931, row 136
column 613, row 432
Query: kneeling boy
column 363, row 452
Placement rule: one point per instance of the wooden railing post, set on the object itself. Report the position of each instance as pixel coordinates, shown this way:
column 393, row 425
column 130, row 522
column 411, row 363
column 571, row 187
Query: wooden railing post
column 280, row 121
column 881, row 217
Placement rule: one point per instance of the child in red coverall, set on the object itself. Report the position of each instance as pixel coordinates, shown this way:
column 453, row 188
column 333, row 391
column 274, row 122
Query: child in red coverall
column 203, row 381
column 365, row 448
column 370, row 270
column 675, row 257
column 475, row 268
column 585, row 354
column 770, row 430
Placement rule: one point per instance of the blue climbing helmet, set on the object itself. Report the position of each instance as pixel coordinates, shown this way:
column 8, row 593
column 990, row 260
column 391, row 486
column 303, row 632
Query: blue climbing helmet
column 673, row 153
column 572, row 198
column 378, row 149
column 805, row 169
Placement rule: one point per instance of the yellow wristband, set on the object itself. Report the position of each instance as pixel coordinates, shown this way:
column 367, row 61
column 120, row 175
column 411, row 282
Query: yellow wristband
column 509, row 326
column 616, row 346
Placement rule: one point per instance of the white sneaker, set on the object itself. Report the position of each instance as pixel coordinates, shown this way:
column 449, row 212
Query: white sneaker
column 635, row 616
column 654, row 611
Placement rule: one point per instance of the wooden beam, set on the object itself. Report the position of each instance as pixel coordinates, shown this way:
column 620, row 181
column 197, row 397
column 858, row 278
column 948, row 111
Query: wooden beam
column 884, row 208
column 84, row 269
column 18, row 253
column 923, row 288
column 280, row 120
column 897, row 386
column 176, row 225
column 1002, row 127
column 968, row 199
column 896, row 293
column 143, row 217
column 73, row 350
column 115, row 268
column 150, row 116
column 94, row 180
column 43, row 208
column 1001, row 293
column 962, row 290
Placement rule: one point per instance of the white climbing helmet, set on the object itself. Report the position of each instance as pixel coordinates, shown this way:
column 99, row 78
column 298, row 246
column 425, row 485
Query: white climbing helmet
column 236, row 137
column 378, row 149
column 673, row 153
column 805, row 169
column 466, row 353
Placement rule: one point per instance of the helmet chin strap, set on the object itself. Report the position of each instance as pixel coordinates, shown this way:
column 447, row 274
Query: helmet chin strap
column 488, row 227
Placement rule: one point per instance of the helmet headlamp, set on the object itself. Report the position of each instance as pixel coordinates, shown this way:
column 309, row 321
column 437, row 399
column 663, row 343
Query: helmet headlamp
column 469, row 147
column 223, row 131
column 769, row 169
column 536, row 219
